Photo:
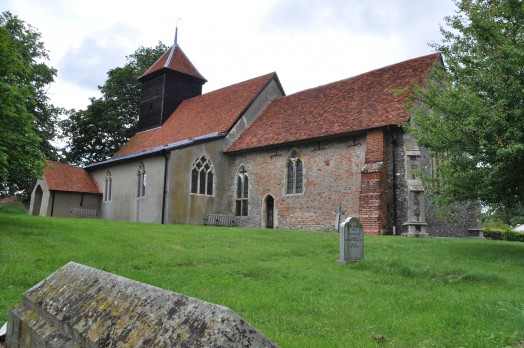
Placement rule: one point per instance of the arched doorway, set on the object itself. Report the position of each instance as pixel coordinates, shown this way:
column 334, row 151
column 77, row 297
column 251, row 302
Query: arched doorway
column 37, row 201
column 269, row 207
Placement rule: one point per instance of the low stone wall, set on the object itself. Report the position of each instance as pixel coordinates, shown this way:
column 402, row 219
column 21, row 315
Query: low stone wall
column 79, row 306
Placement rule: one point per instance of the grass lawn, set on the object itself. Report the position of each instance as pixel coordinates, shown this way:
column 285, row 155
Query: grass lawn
column 406, row 293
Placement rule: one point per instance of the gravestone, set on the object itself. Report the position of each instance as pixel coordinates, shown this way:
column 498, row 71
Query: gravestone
column 351, row 241
column 79, row 306
column 338, row 212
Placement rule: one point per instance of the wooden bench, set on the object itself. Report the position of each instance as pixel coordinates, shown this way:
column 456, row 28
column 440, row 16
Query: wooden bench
column 220, row 220
column 479, row 232
column 79, row 212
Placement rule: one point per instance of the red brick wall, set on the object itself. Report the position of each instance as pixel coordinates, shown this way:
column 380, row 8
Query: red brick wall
column 375, row 146
column 373, row 187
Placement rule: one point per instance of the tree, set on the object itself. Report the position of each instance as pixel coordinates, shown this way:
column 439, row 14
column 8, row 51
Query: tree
column 27, row 120
column 96, row 133
column 471, row 113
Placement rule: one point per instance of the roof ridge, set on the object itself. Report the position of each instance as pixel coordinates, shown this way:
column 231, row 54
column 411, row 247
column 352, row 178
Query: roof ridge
column 64, row 164
column 171, row 54
column 230, row 86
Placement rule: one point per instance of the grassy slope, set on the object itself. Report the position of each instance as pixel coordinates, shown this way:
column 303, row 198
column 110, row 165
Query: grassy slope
column 414, row 292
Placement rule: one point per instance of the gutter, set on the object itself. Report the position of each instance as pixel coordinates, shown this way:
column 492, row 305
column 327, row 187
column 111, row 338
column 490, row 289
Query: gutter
column 158, row 149
column 164, row 191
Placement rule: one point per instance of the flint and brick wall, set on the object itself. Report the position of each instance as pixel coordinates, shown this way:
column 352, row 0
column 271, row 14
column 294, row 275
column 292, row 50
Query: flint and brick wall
column 464, row 217
column 331, row 176
column 398, row 190
column 452, row 226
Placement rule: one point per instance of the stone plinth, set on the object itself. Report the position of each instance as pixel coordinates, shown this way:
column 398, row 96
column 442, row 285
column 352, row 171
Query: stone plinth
column 415, row 229
column 79, row 306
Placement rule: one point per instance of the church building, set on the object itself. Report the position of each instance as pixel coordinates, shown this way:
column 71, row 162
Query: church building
column 250, row 152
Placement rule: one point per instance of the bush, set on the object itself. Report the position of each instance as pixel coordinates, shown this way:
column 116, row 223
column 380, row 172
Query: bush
column 493, row 234
column 505, row 234
column 13, row 208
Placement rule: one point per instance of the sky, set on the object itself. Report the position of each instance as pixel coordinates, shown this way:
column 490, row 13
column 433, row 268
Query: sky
column 306, row 42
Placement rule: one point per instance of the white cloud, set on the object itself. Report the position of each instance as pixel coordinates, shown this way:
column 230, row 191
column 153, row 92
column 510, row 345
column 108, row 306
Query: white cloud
column 97, row 53
column 306, row 42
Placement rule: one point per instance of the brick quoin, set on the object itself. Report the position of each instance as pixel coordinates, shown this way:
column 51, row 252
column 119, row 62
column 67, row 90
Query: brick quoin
column 373, row 185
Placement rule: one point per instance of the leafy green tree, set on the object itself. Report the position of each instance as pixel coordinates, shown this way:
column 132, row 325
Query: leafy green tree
column 27, row 120
column 94, row 134
column 471, row 114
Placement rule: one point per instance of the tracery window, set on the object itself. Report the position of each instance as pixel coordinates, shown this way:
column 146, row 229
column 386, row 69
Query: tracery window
column 108, row 186
column 294, row 174
column 141, row 181
column 202, row 177
column 242, row 192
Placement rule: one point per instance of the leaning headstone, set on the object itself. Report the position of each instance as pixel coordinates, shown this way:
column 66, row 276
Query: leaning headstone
column 338, row 212
column 79, row 306
column 351, row 241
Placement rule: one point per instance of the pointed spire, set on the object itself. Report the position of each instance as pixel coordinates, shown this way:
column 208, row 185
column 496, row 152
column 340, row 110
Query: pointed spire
column 175, row 45
column 176, row 31
column 175, row 59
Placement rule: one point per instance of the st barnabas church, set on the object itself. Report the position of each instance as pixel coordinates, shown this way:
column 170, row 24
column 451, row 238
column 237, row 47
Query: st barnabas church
column 260, row 158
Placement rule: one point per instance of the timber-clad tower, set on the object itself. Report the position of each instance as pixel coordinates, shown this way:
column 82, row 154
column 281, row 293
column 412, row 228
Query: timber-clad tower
column 171, row 80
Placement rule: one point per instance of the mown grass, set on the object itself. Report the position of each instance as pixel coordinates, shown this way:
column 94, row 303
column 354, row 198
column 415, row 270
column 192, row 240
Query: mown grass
column 406, row 293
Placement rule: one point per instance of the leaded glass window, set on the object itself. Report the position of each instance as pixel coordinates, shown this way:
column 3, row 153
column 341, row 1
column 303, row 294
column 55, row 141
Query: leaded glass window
column 108, row 186
column 141, row 181
column 241, row 208
column 202, row 176
column 294, row 174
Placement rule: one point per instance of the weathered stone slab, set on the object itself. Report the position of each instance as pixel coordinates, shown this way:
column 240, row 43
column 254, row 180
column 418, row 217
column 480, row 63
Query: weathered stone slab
column 79, row 306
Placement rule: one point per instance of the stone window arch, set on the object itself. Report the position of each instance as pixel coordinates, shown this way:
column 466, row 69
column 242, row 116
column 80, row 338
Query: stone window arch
column 242, row 192
column 141, row 181
column 295, row 172
column 108, row 186
column 202, row 176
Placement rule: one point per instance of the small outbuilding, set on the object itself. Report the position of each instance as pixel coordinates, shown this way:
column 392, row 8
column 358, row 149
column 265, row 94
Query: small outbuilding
column 65, row 190
column 519, row 228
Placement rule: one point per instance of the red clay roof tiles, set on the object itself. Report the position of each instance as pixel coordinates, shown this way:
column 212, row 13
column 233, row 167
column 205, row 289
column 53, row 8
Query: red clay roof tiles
column 361, row 102
column 64, row 177
column 213, row 112
column 175, row 59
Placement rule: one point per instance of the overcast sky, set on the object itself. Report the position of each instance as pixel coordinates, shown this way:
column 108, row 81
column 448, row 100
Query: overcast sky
column 307, row 42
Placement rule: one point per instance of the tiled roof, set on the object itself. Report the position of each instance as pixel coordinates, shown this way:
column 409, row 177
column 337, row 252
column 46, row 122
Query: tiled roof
column 175, row 59
column 361, row 102
column 64, row 177
column 213, row 112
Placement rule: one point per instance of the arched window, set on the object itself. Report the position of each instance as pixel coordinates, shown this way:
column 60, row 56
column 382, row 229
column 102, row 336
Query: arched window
column 107, row 187
column 242, row 192
column 141, row 181
column 294, row 174
column 202, row 177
